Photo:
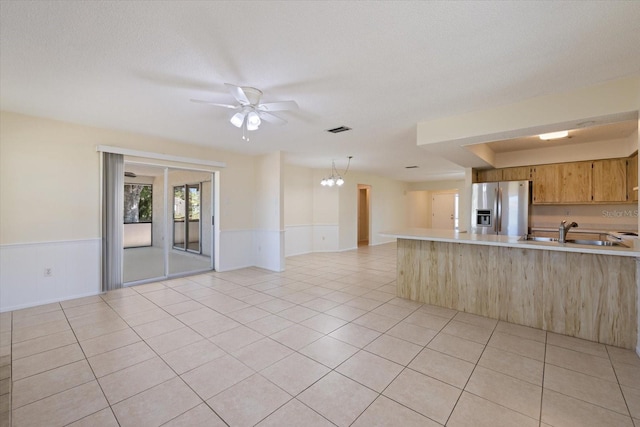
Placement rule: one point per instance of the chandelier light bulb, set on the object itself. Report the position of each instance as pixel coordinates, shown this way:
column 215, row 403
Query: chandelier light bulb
column 330, row 182
column 339, row 181
column 323, row 182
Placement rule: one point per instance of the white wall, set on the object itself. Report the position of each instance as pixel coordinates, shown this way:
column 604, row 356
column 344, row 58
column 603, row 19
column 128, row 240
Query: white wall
column 52, row 218
column 269, row 212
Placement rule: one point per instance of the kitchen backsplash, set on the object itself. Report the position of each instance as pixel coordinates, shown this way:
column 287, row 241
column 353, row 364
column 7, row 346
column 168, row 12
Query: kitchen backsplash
column 588, row 217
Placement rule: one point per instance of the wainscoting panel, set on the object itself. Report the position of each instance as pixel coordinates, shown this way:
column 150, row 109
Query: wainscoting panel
column 269, row 247
column 325, row 238
column 24, row 282
column 236, row 249
column 298, row 239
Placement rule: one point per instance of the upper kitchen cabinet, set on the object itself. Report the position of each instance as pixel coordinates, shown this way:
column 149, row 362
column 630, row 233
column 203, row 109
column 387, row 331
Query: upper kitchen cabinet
column 562, row 183
column 632, row 178
column 610, row 180
column 504, row 174
column 516, row 174
column 489, row 175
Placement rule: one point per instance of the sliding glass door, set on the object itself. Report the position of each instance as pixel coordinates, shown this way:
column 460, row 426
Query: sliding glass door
column 165, row 231
column 187, row 232
column 144, row 231
column 191, row 243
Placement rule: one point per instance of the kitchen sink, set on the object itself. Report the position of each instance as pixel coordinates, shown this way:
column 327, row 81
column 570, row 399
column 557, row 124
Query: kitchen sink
column 531, row 238
column 596, row 242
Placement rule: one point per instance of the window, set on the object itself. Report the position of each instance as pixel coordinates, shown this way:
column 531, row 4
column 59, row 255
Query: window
column 138, row 203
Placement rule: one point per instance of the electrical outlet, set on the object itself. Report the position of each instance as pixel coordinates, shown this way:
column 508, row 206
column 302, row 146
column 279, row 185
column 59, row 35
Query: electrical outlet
column 48, row 272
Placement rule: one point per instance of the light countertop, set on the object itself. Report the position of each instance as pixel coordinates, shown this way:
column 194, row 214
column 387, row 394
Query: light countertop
column 509, row 241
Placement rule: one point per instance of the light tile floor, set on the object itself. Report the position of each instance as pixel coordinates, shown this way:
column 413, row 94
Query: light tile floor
column 324, row 343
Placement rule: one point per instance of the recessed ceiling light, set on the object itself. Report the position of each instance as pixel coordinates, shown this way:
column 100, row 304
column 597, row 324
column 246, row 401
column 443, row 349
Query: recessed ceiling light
column 554, row 135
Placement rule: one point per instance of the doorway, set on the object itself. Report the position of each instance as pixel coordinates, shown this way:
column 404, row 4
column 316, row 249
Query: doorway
column 178, row 239
column 444, row 212
column 364, row 193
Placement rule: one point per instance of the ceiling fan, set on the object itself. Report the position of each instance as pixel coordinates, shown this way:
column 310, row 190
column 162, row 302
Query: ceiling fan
column 251, row 111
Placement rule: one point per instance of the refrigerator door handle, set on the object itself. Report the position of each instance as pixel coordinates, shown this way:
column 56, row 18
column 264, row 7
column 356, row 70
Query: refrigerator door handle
column 496, row 207
column 499, row 210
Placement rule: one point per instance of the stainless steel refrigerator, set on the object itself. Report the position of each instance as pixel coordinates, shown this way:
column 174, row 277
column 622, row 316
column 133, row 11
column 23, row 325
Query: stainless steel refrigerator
column 501, row 208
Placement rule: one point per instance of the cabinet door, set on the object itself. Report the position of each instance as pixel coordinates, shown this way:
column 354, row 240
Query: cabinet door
column 562, row 183
column 546, row 188
column 610, row 180
column 632, row 178
column 490, row 175
column 516, row 174
column 576, row 181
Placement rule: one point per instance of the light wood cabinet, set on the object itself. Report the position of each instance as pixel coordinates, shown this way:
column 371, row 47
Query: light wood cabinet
column 598, row 181
column 610, row 180
column 546, row 188
column 516, row 174
column 504, row 174
column 632, row 178
column 562, row 183
column 489, row 175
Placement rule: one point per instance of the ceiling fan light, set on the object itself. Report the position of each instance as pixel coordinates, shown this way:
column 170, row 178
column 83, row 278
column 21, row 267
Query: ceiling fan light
column 253, row 121
column 237, row 119
column 554, row 135
column 339, row 181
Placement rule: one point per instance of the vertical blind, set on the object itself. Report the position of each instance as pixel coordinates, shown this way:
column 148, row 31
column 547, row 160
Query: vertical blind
column 112, row 226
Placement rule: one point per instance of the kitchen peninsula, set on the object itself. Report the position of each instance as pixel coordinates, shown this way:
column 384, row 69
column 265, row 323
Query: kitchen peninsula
column 582, row 291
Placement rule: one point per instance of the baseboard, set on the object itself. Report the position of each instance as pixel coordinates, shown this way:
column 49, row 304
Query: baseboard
column 29, row 305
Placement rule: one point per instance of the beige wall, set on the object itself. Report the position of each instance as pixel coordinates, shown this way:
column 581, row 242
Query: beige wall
column 606, row 149
column 268, row 208
column 298, row 190
column 388, row 208
column 529, row 116
column 325, row 201
column 614, row 217
column 50, row 178
column 419, row 209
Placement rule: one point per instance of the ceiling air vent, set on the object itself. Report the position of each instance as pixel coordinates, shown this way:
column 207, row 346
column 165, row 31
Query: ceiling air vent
column 339, row 129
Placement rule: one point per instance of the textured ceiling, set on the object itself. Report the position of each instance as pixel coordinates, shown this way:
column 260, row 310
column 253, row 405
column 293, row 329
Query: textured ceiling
column 377, row 67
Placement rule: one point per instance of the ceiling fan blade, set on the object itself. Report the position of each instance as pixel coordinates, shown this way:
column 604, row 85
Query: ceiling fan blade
column 271, row 118
column 200, row 101
column 278, row 106
column 238, row 93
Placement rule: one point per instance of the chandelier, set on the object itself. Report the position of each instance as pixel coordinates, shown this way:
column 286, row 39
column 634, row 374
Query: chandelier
column 335, row 178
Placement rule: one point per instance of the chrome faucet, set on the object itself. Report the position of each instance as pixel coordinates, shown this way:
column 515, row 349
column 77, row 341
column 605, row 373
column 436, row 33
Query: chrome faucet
column 563, row 230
